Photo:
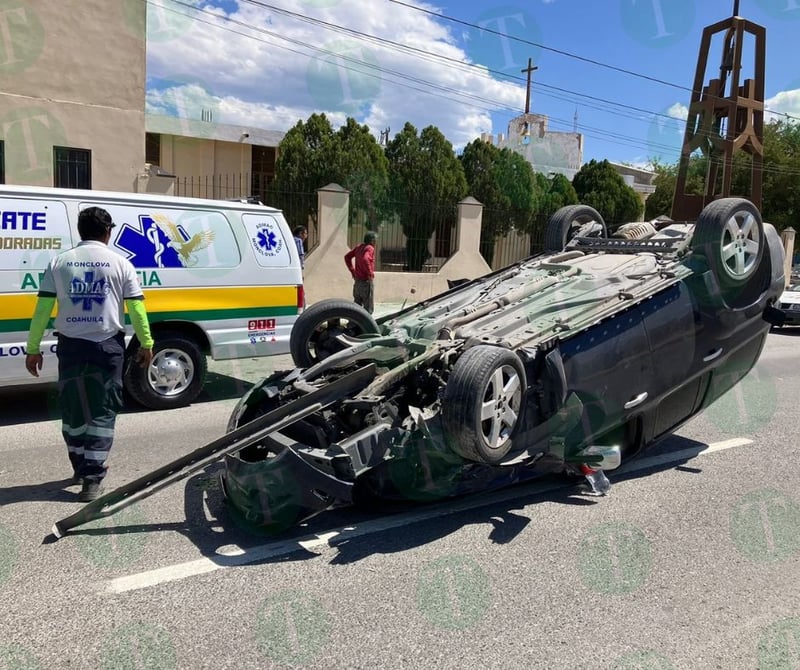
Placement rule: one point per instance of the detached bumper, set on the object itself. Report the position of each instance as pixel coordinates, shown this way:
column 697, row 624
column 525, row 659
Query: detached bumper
column 280, row 491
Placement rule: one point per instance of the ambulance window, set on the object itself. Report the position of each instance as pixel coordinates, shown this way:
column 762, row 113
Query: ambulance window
column 152, row 237
column 266, row 239
column 31, row 233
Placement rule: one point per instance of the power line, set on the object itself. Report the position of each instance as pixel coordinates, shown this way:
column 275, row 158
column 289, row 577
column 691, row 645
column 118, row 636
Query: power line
column 492, row 105
column 544, row 47
column 561, row 52
column 588, row 131
column 430, row 56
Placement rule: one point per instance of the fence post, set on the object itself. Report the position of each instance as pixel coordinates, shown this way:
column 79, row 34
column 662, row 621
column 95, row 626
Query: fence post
column 466, row 261
column 787, row 236
column 468, row 226
column 325, row 275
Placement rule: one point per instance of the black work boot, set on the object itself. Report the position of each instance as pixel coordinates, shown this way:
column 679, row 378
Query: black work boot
column 91, row 490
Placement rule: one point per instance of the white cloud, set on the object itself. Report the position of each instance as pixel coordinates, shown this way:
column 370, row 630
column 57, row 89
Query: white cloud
column 784, row 102
column 269, row 70
column 678, row 111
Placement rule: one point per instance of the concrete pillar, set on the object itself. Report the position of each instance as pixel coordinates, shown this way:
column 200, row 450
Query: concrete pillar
column 325, row 273
column 787, row 237
column 468, row 226
column 466, row 261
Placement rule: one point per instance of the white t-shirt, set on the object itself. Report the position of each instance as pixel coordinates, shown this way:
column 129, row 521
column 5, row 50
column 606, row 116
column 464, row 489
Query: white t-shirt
column 91, row 283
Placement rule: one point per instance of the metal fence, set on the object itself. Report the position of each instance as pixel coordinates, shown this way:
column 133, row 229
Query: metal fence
column 298, row 208
column 393, row 246
column 515, row 246
column 218, row 186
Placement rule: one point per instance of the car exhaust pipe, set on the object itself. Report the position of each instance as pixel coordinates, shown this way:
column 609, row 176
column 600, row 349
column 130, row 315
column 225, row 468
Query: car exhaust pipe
column 600, row 457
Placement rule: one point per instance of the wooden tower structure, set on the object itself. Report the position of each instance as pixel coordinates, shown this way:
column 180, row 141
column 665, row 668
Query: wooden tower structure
column 726, row 116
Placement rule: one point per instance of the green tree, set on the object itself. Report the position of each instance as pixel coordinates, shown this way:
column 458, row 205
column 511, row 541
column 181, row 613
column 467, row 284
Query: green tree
column 306, row 160
column 659, row 203
column 556, row 192
column 781, row 177
column 426, row 182
column 505, row 184
column 781, row 200
column 361, row 166
column 600, row 186
column 312, row 155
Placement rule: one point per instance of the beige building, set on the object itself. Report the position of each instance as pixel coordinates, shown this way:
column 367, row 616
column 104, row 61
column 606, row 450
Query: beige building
column 639, row 179
column 72, row 110
column 72, row 93
column 207, row 159
column 549, row 152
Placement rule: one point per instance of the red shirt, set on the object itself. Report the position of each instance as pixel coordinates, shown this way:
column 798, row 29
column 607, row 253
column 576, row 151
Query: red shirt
column 364, row 255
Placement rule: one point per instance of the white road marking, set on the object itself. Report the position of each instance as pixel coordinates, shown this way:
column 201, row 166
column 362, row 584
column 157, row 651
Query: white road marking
column 673, row 456
column 232, row 556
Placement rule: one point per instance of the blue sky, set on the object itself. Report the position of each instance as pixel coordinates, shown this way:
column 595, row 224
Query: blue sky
column 625, row 66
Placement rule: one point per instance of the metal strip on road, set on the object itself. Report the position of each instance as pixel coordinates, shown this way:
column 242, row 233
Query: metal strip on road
column 238, row 557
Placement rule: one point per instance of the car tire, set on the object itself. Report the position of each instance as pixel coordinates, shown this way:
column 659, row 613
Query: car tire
column 314, row 334
column 565, row 222
column 485, row 379
column 174, row 378
column 729, row 233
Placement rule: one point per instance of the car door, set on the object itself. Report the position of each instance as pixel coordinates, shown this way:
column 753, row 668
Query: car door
column 609, row 367
column 673, row 332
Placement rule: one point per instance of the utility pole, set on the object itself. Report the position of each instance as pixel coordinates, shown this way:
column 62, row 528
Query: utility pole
column 530, row 70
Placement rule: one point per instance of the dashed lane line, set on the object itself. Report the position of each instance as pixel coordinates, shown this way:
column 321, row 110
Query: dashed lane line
column 235, row 556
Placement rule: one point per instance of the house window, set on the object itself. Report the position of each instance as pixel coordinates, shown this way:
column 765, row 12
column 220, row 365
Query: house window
column 152, row 148
column 73, row 168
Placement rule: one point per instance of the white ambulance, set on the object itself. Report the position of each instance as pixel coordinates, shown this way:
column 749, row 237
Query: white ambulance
column 220, row 278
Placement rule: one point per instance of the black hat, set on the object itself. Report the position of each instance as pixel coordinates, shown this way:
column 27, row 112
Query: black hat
column 370, row 236
column 93, row 223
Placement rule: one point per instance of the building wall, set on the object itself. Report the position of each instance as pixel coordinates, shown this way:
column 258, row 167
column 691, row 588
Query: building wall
column 547, row 151
column 72, row 73
column 207, row 168
column 203, row 157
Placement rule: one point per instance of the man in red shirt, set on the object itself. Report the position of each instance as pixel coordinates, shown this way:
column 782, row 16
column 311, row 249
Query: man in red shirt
column 360, row 261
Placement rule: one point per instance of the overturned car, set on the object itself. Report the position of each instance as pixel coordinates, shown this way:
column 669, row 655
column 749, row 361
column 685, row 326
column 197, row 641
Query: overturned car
column 568, row 361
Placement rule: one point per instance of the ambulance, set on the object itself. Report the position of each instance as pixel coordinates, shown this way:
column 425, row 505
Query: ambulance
column 221, row 279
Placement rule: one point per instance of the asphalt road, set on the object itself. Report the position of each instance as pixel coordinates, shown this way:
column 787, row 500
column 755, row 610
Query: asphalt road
column 693, row 561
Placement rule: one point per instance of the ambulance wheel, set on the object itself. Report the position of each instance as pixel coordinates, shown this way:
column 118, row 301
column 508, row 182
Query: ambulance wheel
column 175, row 376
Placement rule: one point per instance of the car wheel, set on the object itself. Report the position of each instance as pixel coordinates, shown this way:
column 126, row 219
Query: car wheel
column 566, row 222
column 175, row 376
column 730, row 234
column 314, row 334
column 482, row 404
